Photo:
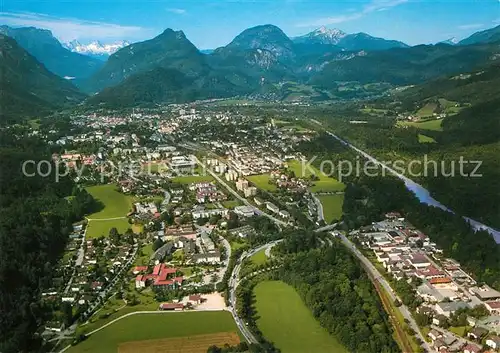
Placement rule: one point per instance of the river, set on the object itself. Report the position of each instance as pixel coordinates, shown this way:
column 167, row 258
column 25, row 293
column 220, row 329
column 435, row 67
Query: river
column 422, row 193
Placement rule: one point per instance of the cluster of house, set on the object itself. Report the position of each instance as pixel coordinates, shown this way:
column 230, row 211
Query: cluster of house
column 272, row 207
column 197, row 246
column 284, row 181
column 444, row 342
column 246, row 160
column 145, row 210
column 162, row 276
column 207, row 192
column 407, row 253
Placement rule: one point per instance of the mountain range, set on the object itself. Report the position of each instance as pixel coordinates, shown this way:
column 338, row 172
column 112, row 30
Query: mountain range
column 356, row 41
column 260, row 60
column 95, row 48
column 28, row 88
column 49, row 51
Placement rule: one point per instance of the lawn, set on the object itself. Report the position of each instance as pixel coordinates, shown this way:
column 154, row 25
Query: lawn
column 237, row 244
column 230, row 204
column 460, row 330
column 324, row 184
column 332, row 207
column 146, row 251
column 190, row 179
column 96, row 228
column 288, row 323
column 434, row 125
column 156, row 326
column 259, row 257
column 262, row 182
column 115, row 203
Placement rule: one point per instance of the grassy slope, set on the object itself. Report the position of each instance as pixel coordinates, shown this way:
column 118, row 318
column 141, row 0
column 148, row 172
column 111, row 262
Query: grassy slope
column 434, row 125
column 115, row 205
column 288, row 323
column 145, row 327
column 324, row 184
column 332, row 206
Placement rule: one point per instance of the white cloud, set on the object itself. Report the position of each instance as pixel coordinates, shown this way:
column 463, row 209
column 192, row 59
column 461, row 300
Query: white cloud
column 374, row 5
column 177, row 11
column 471, row 26
column 67, row 29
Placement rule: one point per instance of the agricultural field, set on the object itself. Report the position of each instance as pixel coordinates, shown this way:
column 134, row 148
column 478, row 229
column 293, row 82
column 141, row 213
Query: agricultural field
column 434, row 125
column 131, row 332
column 288, row 323
column 189, row 344
column 427, row 110
column 324, row 184
column 262, row 182
column 332, row 206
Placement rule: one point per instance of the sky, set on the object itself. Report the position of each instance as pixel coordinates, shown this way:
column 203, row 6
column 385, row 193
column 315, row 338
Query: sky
column 213, row 23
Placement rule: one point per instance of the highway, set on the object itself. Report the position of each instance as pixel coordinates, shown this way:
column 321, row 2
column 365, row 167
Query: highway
column 378, row 277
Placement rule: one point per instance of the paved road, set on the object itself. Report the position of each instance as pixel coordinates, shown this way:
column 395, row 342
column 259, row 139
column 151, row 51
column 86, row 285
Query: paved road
column 378, row 277
column 79, row 260
column 238, row 196
column 319, row 205
column 233, row 284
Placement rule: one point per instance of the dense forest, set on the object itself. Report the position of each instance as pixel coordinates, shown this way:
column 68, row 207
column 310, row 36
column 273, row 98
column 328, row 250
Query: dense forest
column 338, row 292
column 37, row 216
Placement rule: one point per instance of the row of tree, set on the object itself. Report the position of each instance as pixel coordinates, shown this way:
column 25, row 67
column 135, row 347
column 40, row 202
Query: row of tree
column 338, row 292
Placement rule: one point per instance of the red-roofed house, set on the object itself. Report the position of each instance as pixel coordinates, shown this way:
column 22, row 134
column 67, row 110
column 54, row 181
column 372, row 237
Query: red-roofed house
column 195, row 299
column 171, row 306
column 471, row 348
column 493, row 307
column 441, row 282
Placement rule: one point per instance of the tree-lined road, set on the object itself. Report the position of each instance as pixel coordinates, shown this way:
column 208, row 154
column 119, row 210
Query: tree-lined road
column 378, row 277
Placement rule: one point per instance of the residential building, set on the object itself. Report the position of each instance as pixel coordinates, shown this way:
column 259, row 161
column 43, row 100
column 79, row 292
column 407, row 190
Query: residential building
column 493, row 342
column 245, row 211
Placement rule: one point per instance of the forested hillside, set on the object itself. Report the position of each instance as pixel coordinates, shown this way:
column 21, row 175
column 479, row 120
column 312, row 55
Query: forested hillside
column 28, row 88
column 34, row 227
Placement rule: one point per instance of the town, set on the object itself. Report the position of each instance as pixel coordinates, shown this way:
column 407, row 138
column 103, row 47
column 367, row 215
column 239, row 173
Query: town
column 182, row 189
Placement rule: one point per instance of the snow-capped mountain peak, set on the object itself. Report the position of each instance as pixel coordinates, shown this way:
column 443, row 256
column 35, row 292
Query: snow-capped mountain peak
column 329, row 33
column 451, row 41
column 323, row 35
column 96, row 48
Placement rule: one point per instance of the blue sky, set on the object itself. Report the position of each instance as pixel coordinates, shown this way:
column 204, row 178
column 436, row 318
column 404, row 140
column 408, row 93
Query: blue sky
column 210, row 24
